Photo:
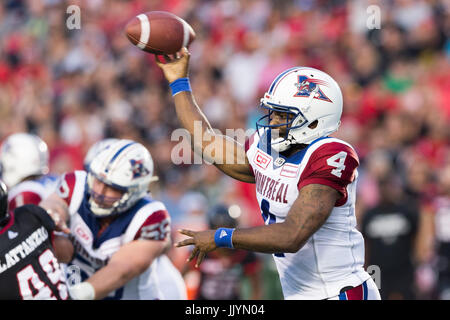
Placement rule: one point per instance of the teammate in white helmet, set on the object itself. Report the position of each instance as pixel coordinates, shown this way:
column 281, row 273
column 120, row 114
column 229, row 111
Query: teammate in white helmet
column 117, row 230
column 24, row 160
column 305, row 184
column 169, row 278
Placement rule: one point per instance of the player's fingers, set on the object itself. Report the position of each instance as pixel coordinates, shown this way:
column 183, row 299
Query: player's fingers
column 184, row 51
column 201, row 255
column 193, row 254
column 187, row 232
column 186, row 242
column 64, row 228
column 55, row 218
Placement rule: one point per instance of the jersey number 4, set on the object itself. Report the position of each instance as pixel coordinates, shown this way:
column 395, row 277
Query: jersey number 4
column 337, row 161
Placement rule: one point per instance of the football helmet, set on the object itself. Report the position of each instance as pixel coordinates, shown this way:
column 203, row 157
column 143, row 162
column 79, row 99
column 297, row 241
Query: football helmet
column 96, row 148
column 126, row 166
column 23, row 155
column 4, row 214
column 305, row 95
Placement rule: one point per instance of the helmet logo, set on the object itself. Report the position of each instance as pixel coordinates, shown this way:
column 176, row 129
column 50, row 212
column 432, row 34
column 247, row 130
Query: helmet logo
column 138, row 168
column 307, row 85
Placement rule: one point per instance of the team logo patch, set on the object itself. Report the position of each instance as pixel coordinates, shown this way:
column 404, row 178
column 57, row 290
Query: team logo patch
column 138, row 168
column 261, row 160
column 289, row 171
column 279, row 162
column 307, row 85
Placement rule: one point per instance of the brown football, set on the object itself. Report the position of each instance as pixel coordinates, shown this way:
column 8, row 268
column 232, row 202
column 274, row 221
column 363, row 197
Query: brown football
column 159, row 32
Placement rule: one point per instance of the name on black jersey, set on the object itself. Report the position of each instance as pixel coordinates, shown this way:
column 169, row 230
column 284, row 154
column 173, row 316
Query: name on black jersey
column 22, row 250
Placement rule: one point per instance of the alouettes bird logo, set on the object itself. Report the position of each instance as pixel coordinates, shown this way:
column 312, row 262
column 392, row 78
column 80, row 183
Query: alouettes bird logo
column 138, row 168
column 307, row 85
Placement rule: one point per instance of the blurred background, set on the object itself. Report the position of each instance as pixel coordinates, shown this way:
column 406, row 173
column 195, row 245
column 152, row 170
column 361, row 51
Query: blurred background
column 75, row 87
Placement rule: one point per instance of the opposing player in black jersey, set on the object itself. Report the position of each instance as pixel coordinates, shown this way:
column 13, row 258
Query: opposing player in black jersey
column 28, row 266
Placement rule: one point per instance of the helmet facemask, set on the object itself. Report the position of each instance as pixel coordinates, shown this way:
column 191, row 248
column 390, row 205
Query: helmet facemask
column 294, row 120
column 102, row 205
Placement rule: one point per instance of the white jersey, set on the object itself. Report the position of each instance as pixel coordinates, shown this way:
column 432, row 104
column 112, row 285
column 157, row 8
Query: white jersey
column 147, row 219
column 31, row 191
column 333, row 257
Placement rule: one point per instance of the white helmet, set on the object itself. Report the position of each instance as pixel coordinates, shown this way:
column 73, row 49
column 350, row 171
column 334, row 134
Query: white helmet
column 306, row 95
column 127, row 166
column 23, row 155
column 95, row 149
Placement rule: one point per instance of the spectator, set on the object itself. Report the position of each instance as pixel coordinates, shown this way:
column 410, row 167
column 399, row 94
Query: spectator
column 390, row 230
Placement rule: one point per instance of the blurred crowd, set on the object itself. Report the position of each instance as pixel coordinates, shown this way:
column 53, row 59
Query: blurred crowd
column 73, row 87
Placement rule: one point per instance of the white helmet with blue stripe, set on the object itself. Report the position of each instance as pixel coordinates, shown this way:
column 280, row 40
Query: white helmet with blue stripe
column 125, row 165
column 306, row 95
column 95, row 149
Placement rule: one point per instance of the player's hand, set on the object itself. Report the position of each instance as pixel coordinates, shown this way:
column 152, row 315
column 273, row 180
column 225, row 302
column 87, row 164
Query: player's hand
column 203, row 242
column 60, row 224
column 176, row 66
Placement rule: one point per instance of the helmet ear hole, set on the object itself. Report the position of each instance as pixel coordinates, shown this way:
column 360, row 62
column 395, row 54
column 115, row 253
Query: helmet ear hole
column 313, row 124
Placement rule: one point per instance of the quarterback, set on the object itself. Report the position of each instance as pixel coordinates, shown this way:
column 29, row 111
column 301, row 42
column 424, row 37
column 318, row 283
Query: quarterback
column 305, row 184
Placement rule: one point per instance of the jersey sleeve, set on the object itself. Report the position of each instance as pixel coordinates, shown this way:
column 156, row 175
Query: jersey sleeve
column 66, row 186
column 333, row 164
column 155, row 227
column 26, row 197
column 151, row 222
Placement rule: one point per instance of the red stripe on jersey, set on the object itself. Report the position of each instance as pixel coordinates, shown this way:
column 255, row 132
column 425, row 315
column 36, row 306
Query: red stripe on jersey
column 355, row 293
column 25, row 197
column 155, row 227
column 333, row 164
column 66, row 187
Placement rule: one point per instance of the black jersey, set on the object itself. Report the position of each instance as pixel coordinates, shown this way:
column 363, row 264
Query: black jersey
column 28, row 266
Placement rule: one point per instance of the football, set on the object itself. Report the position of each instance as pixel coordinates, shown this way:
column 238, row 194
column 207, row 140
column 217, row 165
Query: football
column 159, row 32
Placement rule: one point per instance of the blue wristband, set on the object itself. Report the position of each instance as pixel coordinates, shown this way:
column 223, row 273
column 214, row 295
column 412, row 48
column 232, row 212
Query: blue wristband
column 179, row 85
column 223, row 238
